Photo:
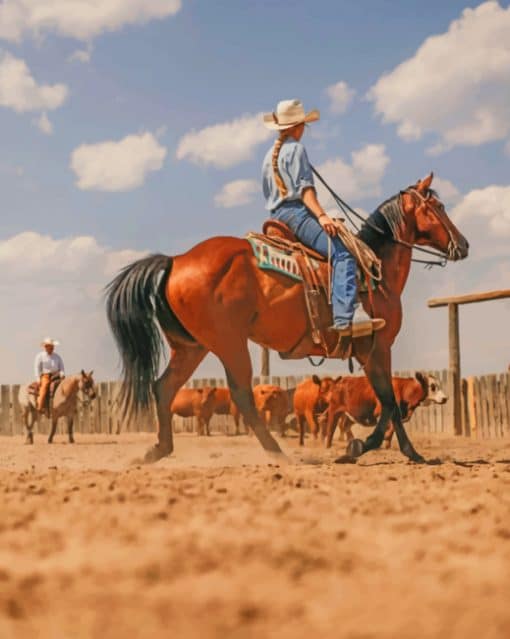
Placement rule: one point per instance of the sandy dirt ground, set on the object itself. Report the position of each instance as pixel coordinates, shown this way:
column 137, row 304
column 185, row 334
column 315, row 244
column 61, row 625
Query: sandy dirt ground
column 215, row 542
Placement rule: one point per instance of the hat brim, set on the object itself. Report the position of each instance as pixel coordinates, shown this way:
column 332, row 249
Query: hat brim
column 269, row 122
column 52, row 342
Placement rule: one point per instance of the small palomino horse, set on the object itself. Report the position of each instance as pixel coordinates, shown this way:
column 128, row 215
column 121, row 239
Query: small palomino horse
column 63, row 404
column 214, row 298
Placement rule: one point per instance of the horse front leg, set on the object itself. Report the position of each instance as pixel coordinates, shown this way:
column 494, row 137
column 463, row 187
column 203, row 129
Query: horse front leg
column 70, row 433
column 53, row 429
column 378, row 371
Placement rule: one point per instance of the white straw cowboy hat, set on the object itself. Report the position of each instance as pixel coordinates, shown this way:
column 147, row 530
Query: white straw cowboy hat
column 51, row 342
column 289, row 113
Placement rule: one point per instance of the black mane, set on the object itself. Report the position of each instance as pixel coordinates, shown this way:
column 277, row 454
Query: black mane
column 384, row 223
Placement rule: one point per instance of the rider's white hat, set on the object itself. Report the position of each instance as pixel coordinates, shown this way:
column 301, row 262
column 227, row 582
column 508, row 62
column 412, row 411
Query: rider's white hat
column 51, row 342
column 289, row 113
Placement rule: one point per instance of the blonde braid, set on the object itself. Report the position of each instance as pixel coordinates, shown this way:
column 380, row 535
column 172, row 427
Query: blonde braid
column 276, row 171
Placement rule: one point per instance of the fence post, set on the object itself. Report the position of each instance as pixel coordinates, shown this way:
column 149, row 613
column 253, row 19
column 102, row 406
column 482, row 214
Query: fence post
column 5, row 406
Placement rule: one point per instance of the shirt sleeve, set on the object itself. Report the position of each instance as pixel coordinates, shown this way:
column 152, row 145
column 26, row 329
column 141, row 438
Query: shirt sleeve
column 37, row 366
column 300, row 169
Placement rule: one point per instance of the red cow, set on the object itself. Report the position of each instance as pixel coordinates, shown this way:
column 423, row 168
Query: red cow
column 310, row 404
column 195, row 402
column 273, row 405
column 352, row 400
column 223, row 405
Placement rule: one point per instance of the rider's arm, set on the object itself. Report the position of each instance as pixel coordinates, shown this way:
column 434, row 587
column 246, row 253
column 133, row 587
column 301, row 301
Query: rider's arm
column 60, row 366
column 301, row 174
column 309, row 197
column 38, row 366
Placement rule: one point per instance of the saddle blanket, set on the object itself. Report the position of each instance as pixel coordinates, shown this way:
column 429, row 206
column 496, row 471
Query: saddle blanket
column 270, row 258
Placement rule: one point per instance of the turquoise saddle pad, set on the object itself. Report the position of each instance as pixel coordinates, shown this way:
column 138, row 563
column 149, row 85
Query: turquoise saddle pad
column 270, row 258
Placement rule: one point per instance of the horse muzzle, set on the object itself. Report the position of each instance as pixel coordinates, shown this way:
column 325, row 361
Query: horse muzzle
column 458, row 250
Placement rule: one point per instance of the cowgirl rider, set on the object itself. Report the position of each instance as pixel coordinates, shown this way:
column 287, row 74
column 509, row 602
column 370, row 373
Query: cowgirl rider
column 289, row 191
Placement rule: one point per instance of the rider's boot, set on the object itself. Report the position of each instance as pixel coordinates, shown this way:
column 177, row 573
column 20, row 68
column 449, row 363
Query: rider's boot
column 361, row 326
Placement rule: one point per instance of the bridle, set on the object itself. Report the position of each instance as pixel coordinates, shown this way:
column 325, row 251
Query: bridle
column 85, row 387
column 452, row 253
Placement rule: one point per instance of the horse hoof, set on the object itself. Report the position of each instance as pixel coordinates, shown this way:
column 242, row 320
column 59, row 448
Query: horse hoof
column 418, row 459
column 29, row 441
column 71, row 441
column 355, row 448
column 346, row 459
column 154, row 454
column 50, row 441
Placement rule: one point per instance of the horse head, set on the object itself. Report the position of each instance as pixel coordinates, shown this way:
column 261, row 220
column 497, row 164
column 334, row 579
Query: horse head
column 432, row 226
column 86, row 385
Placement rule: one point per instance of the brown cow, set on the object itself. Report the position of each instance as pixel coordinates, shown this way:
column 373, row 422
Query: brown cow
column 310, row 404
column 223, row 405
column 273, row 405
column 195, row 402
column 353, row 400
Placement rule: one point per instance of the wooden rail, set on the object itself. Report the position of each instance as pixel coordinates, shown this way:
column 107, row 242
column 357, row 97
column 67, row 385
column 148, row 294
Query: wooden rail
column 484, row 401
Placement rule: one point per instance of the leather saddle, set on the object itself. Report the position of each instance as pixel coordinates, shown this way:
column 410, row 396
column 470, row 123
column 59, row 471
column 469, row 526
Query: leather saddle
column 315, row 279
column 285, row 238
column 55, row 380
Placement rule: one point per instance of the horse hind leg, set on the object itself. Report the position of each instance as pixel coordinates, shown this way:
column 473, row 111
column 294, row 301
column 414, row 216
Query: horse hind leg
column 237, row 363
column 183, row 362
column 29, row 419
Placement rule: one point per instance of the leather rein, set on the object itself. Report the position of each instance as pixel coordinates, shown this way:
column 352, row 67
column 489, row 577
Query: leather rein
column 348, row 210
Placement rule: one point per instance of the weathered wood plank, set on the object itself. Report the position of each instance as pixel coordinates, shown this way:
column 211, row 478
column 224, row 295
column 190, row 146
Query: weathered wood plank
column 5, row 410
column 472, row 298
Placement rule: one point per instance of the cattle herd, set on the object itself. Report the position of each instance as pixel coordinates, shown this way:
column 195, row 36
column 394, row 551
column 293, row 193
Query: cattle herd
column 315, row 404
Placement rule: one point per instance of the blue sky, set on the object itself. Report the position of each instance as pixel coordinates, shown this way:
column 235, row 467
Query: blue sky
column 211, row 63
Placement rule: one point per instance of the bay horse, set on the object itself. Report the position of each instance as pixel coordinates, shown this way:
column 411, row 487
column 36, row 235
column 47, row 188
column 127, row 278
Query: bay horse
column 63, row 404
column 214, row 298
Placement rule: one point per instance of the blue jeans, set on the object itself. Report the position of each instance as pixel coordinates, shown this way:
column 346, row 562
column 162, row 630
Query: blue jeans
column 306, row 228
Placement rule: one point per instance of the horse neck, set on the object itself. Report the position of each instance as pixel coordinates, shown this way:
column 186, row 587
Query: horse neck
column 396, row 264
column 70, row 386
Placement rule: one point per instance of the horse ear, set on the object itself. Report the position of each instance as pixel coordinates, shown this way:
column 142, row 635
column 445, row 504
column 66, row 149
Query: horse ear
column 424, row 185
column 316, row 380
column 83, row 373
column 337, row 379
column 91, row 373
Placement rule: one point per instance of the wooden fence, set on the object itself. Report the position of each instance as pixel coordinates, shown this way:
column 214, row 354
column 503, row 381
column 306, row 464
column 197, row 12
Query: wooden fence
column 485, row 401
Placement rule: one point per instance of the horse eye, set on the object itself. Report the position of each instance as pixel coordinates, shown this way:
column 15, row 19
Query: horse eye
column 433, row 387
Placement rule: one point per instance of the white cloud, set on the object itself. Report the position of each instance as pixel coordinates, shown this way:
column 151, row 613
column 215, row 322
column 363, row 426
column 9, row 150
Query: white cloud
column 226, row 144
column 341, row 96
column 485, row 214
column 19, row 90
column 55, row 286
column 43, row 124
column 456, row 84
column 237, row 193
column 79, row 19
column 81, row 55
column 360, row 179
column 117, row 165
column 448, row 192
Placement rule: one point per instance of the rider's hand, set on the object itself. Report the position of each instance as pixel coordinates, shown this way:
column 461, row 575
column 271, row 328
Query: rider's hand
column 327, row 224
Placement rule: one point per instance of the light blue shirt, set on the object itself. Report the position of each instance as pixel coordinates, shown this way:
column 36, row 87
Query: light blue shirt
column 45, row 363
column 295, row 170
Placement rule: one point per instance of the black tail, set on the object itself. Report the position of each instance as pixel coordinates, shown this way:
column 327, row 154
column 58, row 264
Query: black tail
column 132, row 305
